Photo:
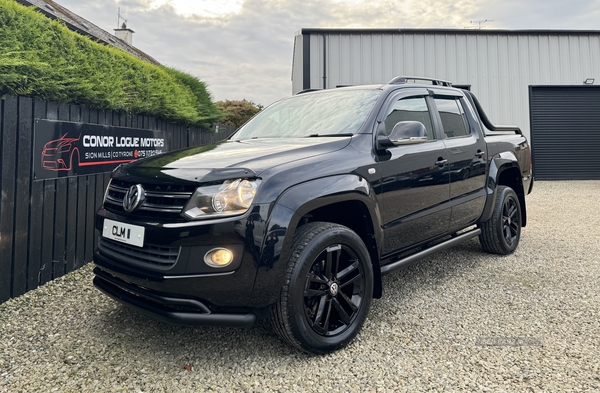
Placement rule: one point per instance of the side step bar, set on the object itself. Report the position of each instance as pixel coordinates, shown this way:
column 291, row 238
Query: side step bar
column 409, row 260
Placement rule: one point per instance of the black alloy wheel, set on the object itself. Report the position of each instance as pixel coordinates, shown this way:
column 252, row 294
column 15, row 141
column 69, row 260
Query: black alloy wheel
column 511, row 220
column 334, row 290
column 502, row 232
column 327, row 289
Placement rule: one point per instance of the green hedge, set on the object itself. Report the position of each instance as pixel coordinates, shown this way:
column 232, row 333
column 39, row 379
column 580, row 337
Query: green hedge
column 40, row 57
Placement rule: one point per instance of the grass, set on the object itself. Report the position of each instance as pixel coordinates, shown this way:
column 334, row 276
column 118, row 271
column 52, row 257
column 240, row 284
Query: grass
column 40, row 57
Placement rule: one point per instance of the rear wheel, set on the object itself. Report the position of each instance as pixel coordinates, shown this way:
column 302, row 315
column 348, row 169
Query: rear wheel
column 502, row 232
column 327, row 290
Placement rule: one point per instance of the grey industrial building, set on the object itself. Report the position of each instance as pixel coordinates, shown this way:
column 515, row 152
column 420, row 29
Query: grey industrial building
column 545, row 81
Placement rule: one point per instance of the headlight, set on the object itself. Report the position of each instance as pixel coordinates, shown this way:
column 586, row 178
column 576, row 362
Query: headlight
column 221, row 200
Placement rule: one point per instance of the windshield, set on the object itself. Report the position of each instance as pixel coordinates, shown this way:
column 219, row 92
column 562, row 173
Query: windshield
column 324, row 114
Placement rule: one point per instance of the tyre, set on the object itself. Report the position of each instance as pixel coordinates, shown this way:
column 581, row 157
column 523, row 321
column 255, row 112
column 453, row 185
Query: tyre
column 327, row 289
column 501, row 233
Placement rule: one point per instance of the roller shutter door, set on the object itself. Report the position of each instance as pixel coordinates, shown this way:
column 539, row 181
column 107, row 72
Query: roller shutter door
column 565, row 132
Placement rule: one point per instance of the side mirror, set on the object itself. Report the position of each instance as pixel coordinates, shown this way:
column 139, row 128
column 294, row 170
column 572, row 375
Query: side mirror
column 403, row 133
column 408, row 133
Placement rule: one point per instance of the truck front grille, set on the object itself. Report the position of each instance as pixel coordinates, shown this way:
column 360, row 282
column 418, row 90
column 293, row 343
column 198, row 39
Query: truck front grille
column 161, row 201
column 151, row 256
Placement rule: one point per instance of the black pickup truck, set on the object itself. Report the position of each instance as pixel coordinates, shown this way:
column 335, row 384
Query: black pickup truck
column 298, row 215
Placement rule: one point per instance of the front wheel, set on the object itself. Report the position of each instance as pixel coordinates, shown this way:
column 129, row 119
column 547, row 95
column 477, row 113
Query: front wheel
column 327, row 289
column 501, row 233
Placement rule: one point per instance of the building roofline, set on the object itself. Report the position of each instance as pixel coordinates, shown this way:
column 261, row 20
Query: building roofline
column 86, row 28
column 330, row 30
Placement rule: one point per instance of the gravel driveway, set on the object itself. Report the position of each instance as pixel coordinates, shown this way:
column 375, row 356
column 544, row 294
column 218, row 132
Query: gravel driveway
column 461, row 320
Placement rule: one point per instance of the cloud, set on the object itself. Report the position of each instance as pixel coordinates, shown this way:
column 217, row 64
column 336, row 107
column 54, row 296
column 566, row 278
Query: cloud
column 247, row 52
column 538, row 14
column 406, row 13
column 204, row 8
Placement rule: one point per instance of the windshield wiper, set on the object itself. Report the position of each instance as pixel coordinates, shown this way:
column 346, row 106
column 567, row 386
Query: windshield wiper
column 326, row 135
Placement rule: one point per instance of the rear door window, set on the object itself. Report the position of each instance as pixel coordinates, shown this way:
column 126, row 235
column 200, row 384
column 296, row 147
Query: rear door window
column 453, row 117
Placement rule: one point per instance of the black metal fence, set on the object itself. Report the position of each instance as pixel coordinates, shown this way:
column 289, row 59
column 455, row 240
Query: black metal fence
column 47, row 226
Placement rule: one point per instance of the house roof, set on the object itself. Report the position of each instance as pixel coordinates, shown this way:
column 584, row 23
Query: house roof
column 84, row 27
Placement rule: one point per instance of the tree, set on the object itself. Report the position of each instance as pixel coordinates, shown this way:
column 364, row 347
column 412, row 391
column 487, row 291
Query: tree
column 42, row 58
column 238, row 112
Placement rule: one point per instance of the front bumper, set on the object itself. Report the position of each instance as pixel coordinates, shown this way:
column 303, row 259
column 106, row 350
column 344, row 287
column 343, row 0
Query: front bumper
column 180, row 311
column 188, row 276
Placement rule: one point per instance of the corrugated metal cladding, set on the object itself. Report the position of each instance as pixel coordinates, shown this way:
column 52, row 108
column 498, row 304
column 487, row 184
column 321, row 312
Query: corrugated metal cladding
column 297, row 80
column 566, row 132
column 500, row 65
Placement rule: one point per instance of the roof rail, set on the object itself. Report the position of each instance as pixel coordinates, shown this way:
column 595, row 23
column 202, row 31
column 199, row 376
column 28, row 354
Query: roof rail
column 405, row 79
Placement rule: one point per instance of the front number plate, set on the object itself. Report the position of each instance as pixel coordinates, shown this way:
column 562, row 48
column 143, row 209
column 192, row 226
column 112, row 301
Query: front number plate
column 124, row 233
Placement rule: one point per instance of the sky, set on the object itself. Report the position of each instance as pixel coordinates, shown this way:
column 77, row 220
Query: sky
column 243, row 49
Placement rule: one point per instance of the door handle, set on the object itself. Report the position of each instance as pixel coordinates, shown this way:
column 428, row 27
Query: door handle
column 441, row 162
column 479, row 153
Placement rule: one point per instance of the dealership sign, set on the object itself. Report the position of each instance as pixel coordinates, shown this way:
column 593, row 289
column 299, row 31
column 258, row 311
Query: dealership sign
column 65, row 148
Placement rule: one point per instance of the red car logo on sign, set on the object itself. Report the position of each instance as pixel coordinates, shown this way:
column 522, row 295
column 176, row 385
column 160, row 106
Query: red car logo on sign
column 58, row 154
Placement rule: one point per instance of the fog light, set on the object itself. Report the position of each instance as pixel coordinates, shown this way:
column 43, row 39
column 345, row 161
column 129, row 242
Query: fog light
column 218, row 257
